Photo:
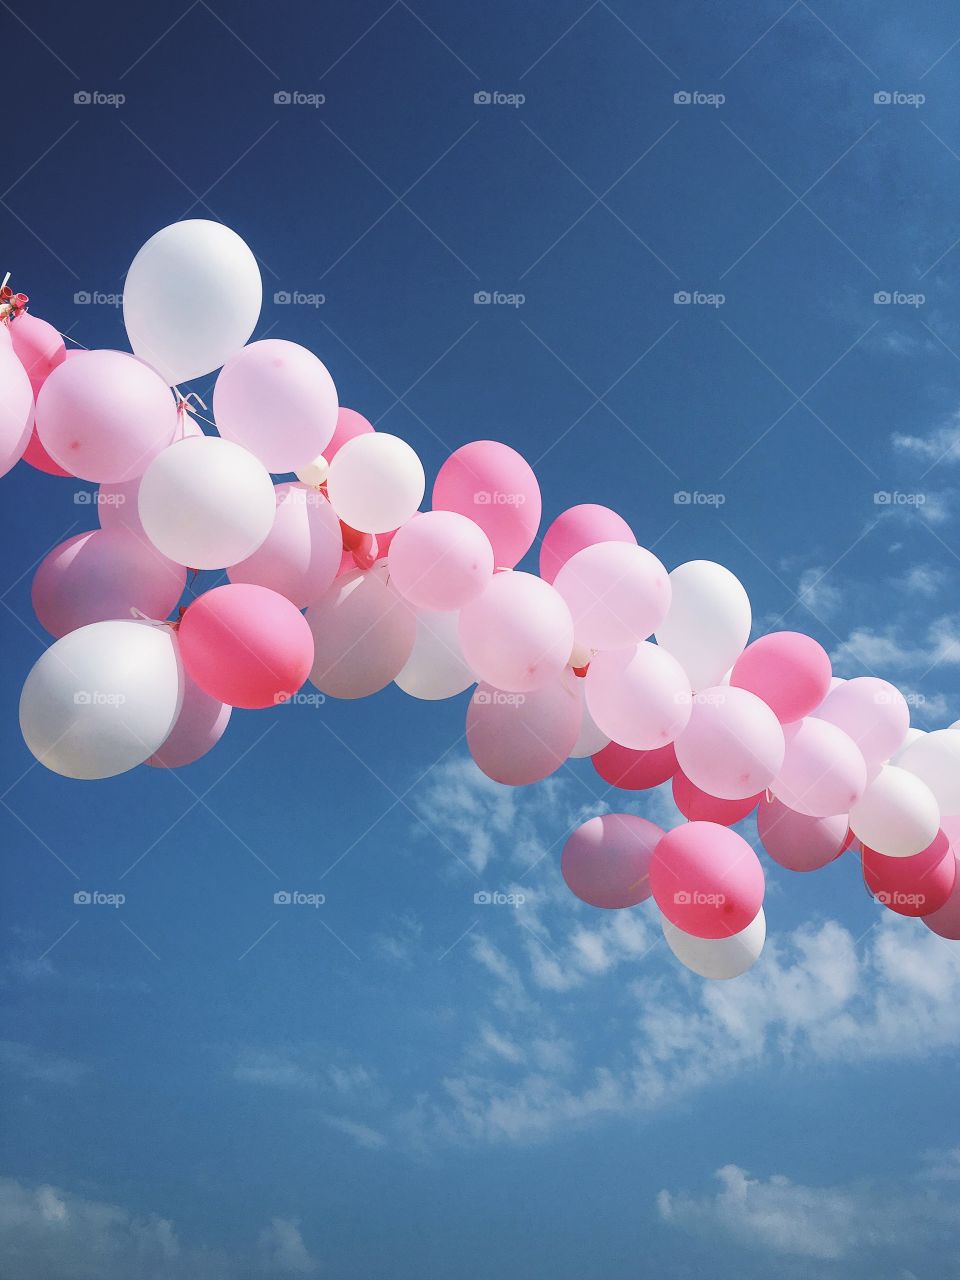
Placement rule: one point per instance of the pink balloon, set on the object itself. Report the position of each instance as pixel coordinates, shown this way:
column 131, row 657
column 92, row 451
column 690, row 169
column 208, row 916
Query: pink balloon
column 117, row 506
column 823, row 770
column 36, row 455
column 101, row 575
column 519, row 738
column 945, row 921
column 363, row 632
column 301, row 554
column 576, row 528
column 873, row 712
column 639, row 697
column 440, row 560
column 606, row 861
column 733, row 746
column 797, row 841
column 635, row 770
column 706, row 880
column 617, row 593
column 16, row 409
column 105, row 416
column 789, row 671
column 517, row 634
column 246, row 645
column 492, row 485
column 38, row 347
column 915, row 886
column 349, row 424
column 199, row 726
column 698, row 806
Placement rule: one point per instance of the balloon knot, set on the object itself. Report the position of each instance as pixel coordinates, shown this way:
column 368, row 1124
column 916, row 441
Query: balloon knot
column 11, row 304
column 581, row 671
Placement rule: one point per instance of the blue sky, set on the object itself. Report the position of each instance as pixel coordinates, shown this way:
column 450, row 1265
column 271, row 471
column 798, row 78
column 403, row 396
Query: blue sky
column 201, row 1085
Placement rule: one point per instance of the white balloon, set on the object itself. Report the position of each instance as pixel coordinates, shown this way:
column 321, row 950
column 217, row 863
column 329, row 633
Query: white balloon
column 913, row 735
column 191, row 299
column 102, row 699
column 718, row 957
column 315, row 473
column 436, row 667
column 206, row 503
column 897, row 815
column 708, row 623
column 375, row 482
column 935, row 758
column 592, row 738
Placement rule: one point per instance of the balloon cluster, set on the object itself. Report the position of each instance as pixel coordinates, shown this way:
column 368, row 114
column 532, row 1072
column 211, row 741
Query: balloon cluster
column 604, row 654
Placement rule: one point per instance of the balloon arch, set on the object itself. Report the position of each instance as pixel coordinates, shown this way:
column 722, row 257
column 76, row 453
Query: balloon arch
column 604, row 654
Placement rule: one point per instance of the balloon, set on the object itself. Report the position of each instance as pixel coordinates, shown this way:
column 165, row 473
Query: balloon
column 590, row 739
column 897, row 815
column 606, row 861
column 913, row 735
column 436, row 667
column 349, row 425
column 375, row 482
column 913, row 886
column 639, row 697
column 16, row 409
column 191, row 299
column 300, row 556
column 364, row 633
column 103, row 574
column 945, row 921
column 440, row 560
column 276, row 399
column 517, row 634
column 718, row 958
column 246, row 645
column 519, row 738
column 38, row 346
column 104, row 416
column 706, row 880
column 935, row 758
column 35, row 454
column 206, row 503
column 492, row 485
column 698, row 806
column 617, row 593
column 797, row 841
column 873, row 712
column 199, row 727
column 635, row 770
column 708, row 622
column 117, row 506
column 733, row 746
column 789, row 671
column 823, row 769
column 102, row 699
column 576, row 528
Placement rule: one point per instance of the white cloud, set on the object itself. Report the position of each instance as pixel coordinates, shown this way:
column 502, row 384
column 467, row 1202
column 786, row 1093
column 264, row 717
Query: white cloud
column 29, row 1063
column 941, row 445
column 282, row 1251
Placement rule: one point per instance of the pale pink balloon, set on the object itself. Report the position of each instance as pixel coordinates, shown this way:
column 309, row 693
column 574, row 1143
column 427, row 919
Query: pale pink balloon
column 16, row 410
column 440, row 560
column 945, row 921
column 915, row 886
column 873, row 712
column 349, row 424
column 606, row 861
column 632, row 770
column 301, row 554
column 733, row 746
column 276, row 399
column 706, row 880
column 639, row 697
column 517, row 634
column 698, row 806
column 576, row 528
column 117, row 506
column 797, row 841
column 519, row 738
column 36, row 455
column 823, row 770
column 617, row 593
column 494, row 486
column 199, row 727
column 363, row 632
column 101, row 575
column 789, row 671
column 104, row 416
column 38, row 346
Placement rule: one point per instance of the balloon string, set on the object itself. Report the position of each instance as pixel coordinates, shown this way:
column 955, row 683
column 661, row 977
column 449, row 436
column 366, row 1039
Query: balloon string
column 140, row 616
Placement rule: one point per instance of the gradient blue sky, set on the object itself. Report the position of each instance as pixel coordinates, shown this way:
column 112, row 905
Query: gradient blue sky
column 200, row 1085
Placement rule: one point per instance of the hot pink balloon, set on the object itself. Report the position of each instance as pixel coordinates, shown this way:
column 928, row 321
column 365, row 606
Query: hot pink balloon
column 301, row 554
column 617, row 594
column 873, row 712
column 639, row 697
column 16, row 409
column 606, row 861
column 440, row 560
column 706, row 880
column 799, row 842
column 635, row 770
column 349, row 424
column 199, row 727
column 789, row 671
column 38, row 346
column 823, row 770
column 105, row 416
column 517, row 634
column 36, row 455
column 364, row 632
column 101, row 575
column 698, row 806
column 246, row 645
column 915, row 886
column 576, row 528
column 492, row 485
column 733, row 746
column 519, row 738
